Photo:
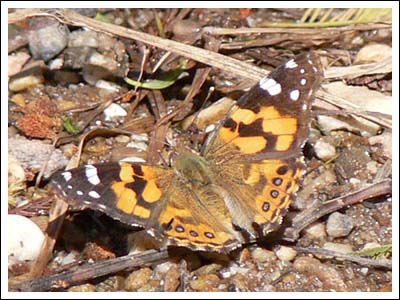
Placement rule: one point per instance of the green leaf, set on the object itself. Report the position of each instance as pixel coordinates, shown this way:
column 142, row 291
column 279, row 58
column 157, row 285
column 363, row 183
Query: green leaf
column 162, row 82
column 71, row 126
column 102, row 18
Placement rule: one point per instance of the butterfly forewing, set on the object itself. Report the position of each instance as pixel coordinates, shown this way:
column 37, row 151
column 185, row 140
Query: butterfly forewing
column 272, row 119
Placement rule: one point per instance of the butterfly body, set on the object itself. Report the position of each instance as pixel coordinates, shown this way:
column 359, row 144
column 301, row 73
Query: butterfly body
column 236, row 190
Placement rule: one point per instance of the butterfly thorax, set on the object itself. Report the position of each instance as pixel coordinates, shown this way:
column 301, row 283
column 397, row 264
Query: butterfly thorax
column 193, row 169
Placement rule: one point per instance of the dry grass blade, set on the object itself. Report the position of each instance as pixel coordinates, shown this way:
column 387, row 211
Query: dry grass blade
column 295, row 31
column 369, row 262
column 56, row 218
column 328, row 17
column 380, row 67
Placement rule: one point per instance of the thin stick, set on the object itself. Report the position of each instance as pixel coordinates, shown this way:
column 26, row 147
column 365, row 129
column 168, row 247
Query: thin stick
column 312, row 214
column 90, row 271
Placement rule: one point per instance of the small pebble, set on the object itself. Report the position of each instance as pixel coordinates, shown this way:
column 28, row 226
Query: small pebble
column 235, row 269
column 142, row 146
column 111, row 284
column 16, row 173
column 328, row 124
column 286, row 253
column 83, row 288
column 364, row 271
column 261, row 255
column 339, row 225
column 83, row 38
column 316, row 231
column 206, row 283
column 122, row 139
column 140, row 137
column 16, row 62
column 70, row 258
column 324, row 150
column 56, row 64
column 172, row 279
column 373, row 53
column 207, row 269
column 19, row 99
column 342, row 248
column 137, row 279
column 330, row 278
column 49, row 41
column 186, row 27
column 372, row 167
column 103, row 61
column 209, row 115
column 114, row 111
column 24, row 238
column 22, row 83
column 107, row 85
column 354, row 181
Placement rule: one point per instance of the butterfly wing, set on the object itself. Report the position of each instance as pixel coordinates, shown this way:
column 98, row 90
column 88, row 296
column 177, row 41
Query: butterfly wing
column 257, row 148
column 196, row 218
column 127, row 192
column 152, row 198
column 272, row 119
column 247, row 176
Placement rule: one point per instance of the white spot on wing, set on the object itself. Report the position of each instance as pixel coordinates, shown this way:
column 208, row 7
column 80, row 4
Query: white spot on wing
column 69, row 187
column 291, row 64
column 304, row 107
column 303, row 81
column 302, row 71
column 91, row 174
column 80, row 193
column 270, row 85
column 67, row 176
column 94, row 194
column 294, row 95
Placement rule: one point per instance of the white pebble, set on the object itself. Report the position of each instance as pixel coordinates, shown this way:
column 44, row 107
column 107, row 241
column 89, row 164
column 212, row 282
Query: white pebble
column 114, row 111
column 342, row 248
column 24, row 238
column 286, row 253
column 107, row 85
column 324, row 150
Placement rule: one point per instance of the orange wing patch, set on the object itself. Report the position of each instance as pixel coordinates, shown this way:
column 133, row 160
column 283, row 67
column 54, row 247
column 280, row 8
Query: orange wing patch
column 253, row 132
column 138, row 186
column 280, row 180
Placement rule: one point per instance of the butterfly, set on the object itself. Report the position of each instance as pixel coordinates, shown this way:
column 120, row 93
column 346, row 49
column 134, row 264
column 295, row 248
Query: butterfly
column 237, row 189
